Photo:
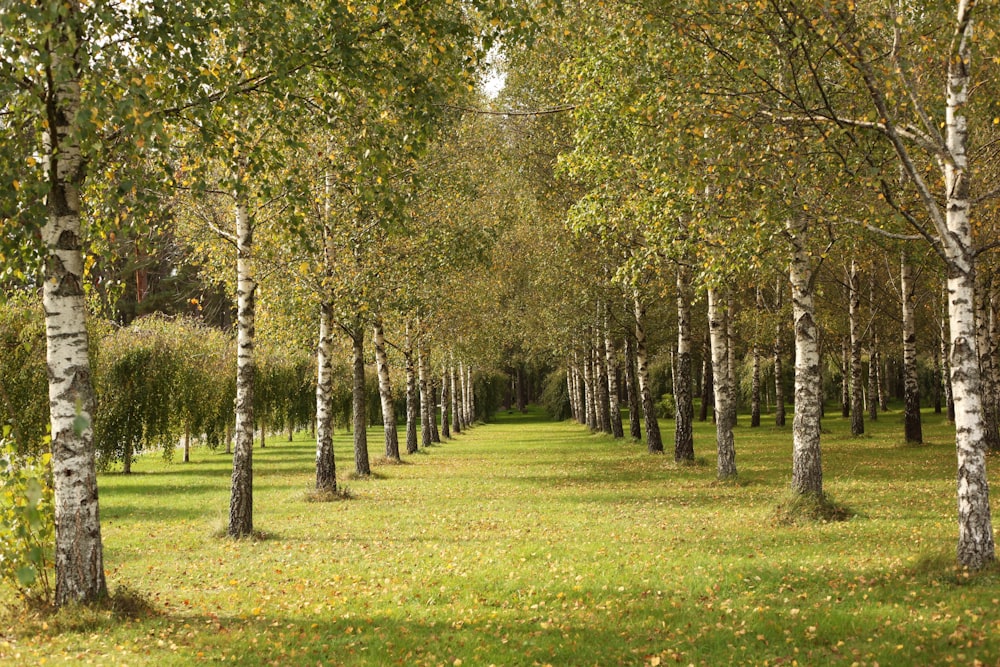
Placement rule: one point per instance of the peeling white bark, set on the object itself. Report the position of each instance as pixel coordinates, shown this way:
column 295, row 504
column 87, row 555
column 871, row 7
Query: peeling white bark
column 807, row 465
column 241, row 496
column 79, row 553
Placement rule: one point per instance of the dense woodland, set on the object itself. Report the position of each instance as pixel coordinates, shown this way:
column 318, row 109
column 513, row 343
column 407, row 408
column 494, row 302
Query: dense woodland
column 324, row 214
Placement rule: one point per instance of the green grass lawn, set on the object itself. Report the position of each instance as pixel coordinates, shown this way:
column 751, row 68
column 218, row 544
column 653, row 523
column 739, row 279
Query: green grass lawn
column 530, row 542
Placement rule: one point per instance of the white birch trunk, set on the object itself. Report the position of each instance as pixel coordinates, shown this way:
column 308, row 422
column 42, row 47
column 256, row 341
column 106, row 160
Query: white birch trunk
column 412, row 400
column 79, row 553
column 807, row 464
column 654, row 443
column 725, row 409
column 385, row 393
column 464, row 402
column 359, row 409
column 683, row 394
column 975, row 528
column 425, row 389
column 326, row 470
column 857, row 382
column 612, row 364
column 445, row 401
column 456, row 425
column 779, row 350
column 911, row 386
column 241, row 496
column 471, row 395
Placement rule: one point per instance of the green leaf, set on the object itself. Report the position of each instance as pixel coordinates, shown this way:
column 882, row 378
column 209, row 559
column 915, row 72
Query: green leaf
column 26, row 575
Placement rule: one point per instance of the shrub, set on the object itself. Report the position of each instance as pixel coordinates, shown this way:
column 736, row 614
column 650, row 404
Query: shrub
column 24, row 393
column 666, row 408
column 27, row 522
column 555, row 396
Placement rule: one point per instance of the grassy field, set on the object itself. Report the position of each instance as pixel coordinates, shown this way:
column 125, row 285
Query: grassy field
column 528, row 542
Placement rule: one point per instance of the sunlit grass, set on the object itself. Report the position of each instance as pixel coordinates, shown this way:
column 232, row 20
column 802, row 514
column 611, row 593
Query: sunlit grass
column 531, row 542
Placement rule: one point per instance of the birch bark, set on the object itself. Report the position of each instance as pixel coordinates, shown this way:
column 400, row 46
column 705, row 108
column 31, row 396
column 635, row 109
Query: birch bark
column 385, row 393
column 79, row 552
column 779, row 371
column 911, row 386
column 654, row 443
column 241, row 497
column 725, row 409
column 683, row 396
column 445, row 402
column 412, row 406
column 425, row 398
column 612, row 364
column 807, row 466
column 632, row 389
column 326, row 469
column 362, row 466
column 456, row 425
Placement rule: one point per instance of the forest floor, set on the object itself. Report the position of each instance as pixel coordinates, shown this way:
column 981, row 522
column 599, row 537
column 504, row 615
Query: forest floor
column 531, row 542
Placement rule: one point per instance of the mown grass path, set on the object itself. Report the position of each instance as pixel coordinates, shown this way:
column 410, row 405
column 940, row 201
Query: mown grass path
column 531, row 542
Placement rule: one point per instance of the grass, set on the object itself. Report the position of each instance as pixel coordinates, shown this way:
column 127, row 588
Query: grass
column 530, row 542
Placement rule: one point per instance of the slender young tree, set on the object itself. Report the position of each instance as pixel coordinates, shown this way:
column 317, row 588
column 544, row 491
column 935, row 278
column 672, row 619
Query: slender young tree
column 385, row 393
column 654, row 444
column 725, row 408
column 683, row 397
column 412, row 401
column 911, row 385
column 632, row 389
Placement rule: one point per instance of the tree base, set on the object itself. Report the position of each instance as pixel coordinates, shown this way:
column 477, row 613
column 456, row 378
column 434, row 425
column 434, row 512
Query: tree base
column 811, row 508
column 328, row 495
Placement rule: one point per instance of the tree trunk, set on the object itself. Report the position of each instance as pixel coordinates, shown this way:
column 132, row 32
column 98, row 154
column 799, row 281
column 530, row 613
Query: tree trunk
column 601, row 383
column 411, row 395
column 991, row 394
column 725, row 409
column 456, row 425
column 385, row 393
column 463, row 403
column 445, row 402
column 79, row 553
column 588, row 381
column 845, row 378
column 425, row 393
column 807, row 465
column 241, row 498
column 949, row 399
column 187, row 442
column 654, row 444
column 872, row 358
column 127, row 458
column 520, row 388
column 779, row 349
column 432, row 382
column 911, row 386
column 734, row 386
column 612, row 363
column 857, row 381
column 471, row 398
column 975, row 530
column 326, row 469
column 362, row 466
column 571, row 386
column 707, row 379
column 683, row 396
column 986, row 358
column 755, row 388
column 632, row 389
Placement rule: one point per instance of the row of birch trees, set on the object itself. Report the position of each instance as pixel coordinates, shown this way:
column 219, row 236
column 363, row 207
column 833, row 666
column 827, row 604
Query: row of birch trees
column 711, row 145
